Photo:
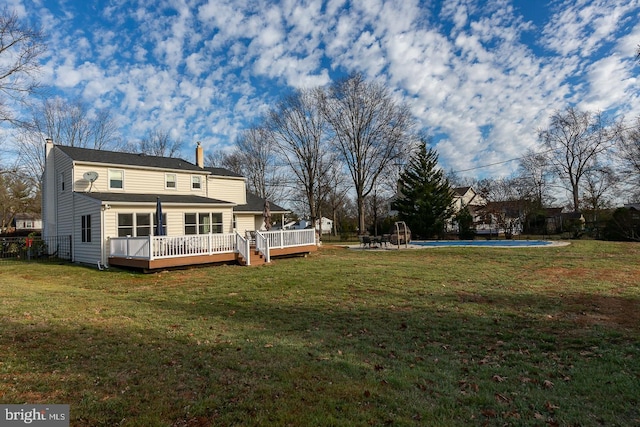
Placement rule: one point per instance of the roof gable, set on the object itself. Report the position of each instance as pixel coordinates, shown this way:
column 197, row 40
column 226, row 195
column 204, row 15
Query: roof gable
column 127, row 159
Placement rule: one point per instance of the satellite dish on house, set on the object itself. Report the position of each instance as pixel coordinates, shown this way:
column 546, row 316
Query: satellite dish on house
column 90, row 176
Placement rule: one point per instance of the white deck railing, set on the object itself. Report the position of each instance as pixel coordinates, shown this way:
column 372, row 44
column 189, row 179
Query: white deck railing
column 262, row 246
column 158, row 247
column 289, row 238
column 244, row 248
column 171, row 246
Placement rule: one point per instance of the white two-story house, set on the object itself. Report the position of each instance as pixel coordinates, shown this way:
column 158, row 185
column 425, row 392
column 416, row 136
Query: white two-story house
column 108, row 203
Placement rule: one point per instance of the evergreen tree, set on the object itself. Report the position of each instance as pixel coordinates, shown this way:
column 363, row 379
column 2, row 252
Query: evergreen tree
column 466, row 231
column 425, row 197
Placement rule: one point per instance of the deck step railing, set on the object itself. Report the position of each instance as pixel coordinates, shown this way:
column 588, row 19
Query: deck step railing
column 244, row 248
column 262, row 246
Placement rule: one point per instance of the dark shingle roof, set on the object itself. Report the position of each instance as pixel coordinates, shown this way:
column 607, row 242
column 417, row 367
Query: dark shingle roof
column 461, row 190
column 130, row 159
column 255, row 204
column 152, row 198
column 222, row 172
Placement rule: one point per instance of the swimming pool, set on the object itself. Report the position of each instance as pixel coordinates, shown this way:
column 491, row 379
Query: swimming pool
column 490, row 243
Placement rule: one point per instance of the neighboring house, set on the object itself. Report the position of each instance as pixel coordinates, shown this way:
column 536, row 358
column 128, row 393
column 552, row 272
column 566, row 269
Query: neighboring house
column 558, row 221
column 27, row 221
column 104, row 199
column 467, row 197
column 324, row 224
column 501, row 218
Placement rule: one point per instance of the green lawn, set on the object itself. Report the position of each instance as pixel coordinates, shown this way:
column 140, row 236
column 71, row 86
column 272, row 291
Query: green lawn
column 444, row 336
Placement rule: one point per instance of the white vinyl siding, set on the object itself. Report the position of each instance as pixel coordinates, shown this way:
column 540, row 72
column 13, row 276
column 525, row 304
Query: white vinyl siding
column 228, row 189
column 244, row 222
column 174, row 218
column 86, row 252
column 139, row 181
column 64, row 210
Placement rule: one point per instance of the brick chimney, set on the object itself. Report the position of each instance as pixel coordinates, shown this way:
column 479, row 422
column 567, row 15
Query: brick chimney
column 199, row 156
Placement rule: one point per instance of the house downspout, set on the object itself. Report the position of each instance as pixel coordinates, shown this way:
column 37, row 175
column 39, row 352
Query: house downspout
column 103, row 243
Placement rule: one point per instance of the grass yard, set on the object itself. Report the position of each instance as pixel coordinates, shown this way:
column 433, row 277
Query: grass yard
column 440, row 337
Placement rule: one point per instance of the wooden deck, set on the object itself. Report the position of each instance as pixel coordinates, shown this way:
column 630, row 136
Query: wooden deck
column 226, row 258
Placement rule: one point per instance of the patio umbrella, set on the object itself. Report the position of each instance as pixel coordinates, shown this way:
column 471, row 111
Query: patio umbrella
column 159, row 231
column 266, row 213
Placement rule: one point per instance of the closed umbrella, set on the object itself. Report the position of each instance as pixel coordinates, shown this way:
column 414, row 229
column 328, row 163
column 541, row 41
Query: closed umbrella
column 159, row 231
column 266, row 213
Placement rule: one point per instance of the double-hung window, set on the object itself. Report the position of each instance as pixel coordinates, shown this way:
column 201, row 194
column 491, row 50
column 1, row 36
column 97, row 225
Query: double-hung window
column 116, row 179
column 190, row 223
column 125, row 224
column 204, row 223
column 216, row 222
column 170, row 181
column 196, row 182
column 143, row 224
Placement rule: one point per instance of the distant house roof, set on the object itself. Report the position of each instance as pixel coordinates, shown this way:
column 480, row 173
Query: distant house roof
column 551, row 212
column 461, row 191
column 222, row 172
column 27, row 217
column 130, row 159
column 255, row 204
column 152, row 198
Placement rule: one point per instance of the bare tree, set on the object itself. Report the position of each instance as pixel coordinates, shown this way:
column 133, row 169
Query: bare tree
column 20, row 48
column 628, row 150
column 232, row 161
column 535, row 172
column 298, row 131
column 255, row 152
column 157, row 143
column 574, row 141
column 335, row 193
column 370, row 131
column 599, row 185
column 67, row 123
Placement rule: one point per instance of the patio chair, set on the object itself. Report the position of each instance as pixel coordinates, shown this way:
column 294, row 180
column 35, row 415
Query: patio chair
column 365, row 241
column 385, row 240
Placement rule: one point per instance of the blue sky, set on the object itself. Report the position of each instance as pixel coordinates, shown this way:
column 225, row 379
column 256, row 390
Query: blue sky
column 481, row 76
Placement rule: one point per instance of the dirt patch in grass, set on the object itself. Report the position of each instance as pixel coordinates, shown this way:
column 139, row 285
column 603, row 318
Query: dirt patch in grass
column 613, row 312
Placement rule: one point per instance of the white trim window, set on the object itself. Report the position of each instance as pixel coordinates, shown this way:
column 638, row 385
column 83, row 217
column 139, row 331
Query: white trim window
column 116, row 179
column 125, row 224
column 85, row 229
column 143, row 224
column 170, row 181
column 203, row 223
column 196, row 182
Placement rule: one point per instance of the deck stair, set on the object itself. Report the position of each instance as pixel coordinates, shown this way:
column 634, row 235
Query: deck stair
column 256, row 258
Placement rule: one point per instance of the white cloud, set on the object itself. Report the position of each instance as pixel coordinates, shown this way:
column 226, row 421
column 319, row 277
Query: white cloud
column 208, row 68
